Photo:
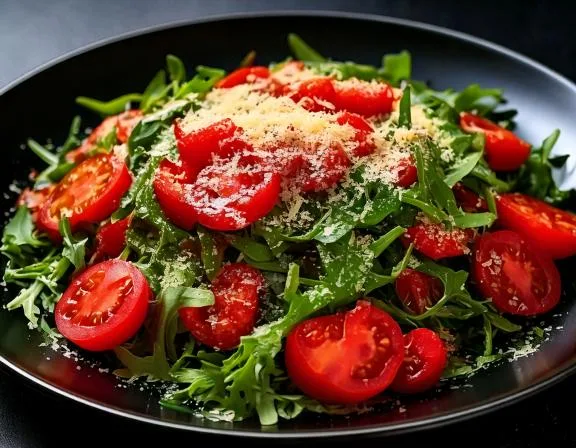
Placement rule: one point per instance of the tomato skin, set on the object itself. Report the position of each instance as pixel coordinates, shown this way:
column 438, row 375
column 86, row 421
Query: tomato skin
column 418, row 291
column 551, row 230
column 102, row 130
column 321, row 171
column 434, row 241
column 33, row 200
column 89, row 193
column 127, row 121
column 364, row 98
column 363, row 133
column 504, row 151
column 226, row 199
column 242, row 76
column 315, row 95
column 407, row 174
column 111, row 239
column 237, row 289
column 345, row 358
column 468, row 200
column 220, row 139
column 172, row 183
column 113, row 292
column 514, row 274
column 424, row 362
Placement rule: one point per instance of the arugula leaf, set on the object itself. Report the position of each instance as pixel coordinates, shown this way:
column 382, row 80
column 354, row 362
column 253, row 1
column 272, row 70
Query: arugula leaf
column 157, row 366
column 211, row 254
column 47, row 156
column 462, row 167
column 155, row 92
column 480, row 100
column 112, row 107
column 202, row 82
column 252, row 249
column 346, row 264
column 344, row 70
column 535, row 176
column 397, row 67
column 74, row 249
column 302, row 50
column 20, row 230
column 404, row 117
column 248, row 60
column 176, row 68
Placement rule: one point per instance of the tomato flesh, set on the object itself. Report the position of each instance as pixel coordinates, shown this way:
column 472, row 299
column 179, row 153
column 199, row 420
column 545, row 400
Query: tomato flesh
column 362, row 135
column 33, row 200
column 242, row 76
column 127, row 121
column 111, row 239
column 468, row 200
column 322, row 170
column 89, row 193
column 104, row 306
column 346, row 357
column 237, row 289
column 423, row 364
column 363, row 98
column 418, row 291
column 406, row 173
column 504, row 151
column 436, row 242
column 227, row 197
column 550, row 230
column 315, row 95
column 514, row 274
column 172, row 184
column 198, row 148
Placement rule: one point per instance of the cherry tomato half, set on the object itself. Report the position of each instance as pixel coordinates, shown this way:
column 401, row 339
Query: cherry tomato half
column 33, row 200
column 104, row 306
column 237, row 289
column 198, row 147
column 514, row 274
column 504, row 151
column 89, row 193
column 418, row 291
column 242, row 76
column 346, row 357
column 363, row 98
column 172, row 183
column 423, row 364
column 231, row 197
column 468, row 200
column 362, row 135
column 406, row 173
column 127, row 121
column 551, row 230
column 111, row 239
column 315, row 95
column 436, row 242
column 322, row 170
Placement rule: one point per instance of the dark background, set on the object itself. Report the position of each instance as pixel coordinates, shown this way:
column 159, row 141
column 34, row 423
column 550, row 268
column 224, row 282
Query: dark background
column 35, row 31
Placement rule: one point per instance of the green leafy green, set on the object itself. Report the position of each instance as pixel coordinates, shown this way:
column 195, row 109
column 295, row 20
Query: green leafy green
column 112, row 107
column 397, row 67
column 404, row 117
column 74, row 249
column 176, row 68
column 302, row 50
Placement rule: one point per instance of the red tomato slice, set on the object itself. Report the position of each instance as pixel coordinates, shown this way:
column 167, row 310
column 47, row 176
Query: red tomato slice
column 106, row 127
column 236, row 289
column 220, row 139
column 315, row 95
column 550, row 230
column 423, row 364
column 243, row 76
column 172, row 184
column 363, row 133
column 363, row 98
column 418, row 291
column 89, row 193
column 504, row 151
column 322, row 170
column 231, row 197
column 436, row 242
column 345, row 357
column 514, row 274
column 104, row 306
column 406, row 173
column 111, row 239
column 468, row 200
column 127, row 121
column 34, row 199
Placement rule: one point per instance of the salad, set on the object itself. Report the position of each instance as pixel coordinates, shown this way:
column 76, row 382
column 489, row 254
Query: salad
column 312, row 235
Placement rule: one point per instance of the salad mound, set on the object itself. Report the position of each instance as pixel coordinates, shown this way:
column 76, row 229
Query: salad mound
column 312, row 235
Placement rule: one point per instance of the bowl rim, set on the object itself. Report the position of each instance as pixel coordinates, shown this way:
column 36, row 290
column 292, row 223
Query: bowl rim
column 431, row 422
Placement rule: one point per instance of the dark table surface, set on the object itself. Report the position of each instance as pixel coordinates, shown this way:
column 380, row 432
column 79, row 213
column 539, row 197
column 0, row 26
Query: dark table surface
column 35, row 31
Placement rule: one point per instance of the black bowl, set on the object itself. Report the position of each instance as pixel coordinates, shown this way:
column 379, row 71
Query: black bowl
column 41, row 104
